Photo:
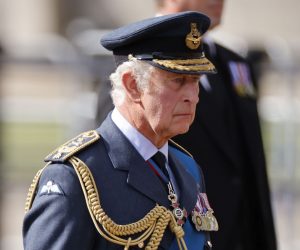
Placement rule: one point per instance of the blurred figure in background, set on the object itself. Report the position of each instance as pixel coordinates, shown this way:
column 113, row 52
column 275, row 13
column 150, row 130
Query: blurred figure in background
column 225, row 139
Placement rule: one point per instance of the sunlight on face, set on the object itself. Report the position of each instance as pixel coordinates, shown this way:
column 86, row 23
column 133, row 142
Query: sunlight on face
column 169, row 103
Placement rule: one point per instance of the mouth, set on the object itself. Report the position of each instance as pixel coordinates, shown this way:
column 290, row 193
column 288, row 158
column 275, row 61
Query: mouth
column 184, row 115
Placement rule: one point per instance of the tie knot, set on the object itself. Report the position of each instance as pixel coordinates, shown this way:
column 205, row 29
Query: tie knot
column 160, row 159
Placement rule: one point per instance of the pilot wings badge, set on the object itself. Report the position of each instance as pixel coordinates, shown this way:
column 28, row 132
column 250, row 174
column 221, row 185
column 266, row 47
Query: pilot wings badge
column 51, row 188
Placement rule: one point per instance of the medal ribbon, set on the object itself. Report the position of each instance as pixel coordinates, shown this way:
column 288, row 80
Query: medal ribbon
column 179, row 214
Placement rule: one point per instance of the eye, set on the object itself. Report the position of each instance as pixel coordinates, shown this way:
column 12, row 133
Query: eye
column 195, row 79
column 179, row 80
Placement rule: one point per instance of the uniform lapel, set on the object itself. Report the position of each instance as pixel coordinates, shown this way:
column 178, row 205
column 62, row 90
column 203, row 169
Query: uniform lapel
column 124, row 157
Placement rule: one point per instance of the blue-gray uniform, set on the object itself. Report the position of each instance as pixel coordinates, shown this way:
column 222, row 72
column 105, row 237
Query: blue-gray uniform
column 101, row 190
column 61, row 218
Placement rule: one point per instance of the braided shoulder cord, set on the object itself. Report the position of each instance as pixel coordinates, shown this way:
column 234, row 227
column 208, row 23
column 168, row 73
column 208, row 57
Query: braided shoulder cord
column 32, row 189
column 153, row 225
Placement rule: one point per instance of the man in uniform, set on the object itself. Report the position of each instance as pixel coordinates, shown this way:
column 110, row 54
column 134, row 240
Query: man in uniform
column 126, row 184
column 225, row 140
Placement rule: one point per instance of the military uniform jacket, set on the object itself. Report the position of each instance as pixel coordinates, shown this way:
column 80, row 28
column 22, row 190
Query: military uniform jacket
column 225, row 139
column 128, row 189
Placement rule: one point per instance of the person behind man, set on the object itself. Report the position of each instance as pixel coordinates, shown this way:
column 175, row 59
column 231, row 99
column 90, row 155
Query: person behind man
column 225, row 140
column 126, row 184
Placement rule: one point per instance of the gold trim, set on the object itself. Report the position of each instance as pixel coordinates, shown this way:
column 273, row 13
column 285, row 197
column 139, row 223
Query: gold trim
column 153, row 224
column 200, row 64
column 193, row 39
column 182, row 148
column 73, row 146
column 195, row 61
column 32, row 189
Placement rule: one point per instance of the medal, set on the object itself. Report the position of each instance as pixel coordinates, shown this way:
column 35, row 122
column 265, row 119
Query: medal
column 212, row 221
column 179, row 214
column 202, row 215
column 241, row 79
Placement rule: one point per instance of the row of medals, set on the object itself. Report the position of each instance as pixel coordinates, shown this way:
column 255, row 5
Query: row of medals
column 202, row 214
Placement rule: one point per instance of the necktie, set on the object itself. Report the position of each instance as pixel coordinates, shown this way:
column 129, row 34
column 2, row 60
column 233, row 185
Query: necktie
column 160, row 159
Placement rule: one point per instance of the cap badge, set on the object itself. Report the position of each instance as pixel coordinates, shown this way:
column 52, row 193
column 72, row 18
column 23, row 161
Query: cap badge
column 193, row 39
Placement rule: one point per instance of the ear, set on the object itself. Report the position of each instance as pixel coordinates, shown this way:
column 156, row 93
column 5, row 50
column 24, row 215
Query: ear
column 130, row 86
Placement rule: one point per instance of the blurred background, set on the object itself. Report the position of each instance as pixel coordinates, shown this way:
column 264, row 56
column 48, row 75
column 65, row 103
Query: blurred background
column 53, row 76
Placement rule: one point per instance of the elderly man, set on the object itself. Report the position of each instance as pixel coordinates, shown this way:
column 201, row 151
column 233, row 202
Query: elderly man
column 225, row 140
column 126, row 184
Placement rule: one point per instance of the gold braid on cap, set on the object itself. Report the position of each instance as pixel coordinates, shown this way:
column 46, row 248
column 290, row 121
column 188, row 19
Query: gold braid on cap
column 152, row 226
column 199, row 64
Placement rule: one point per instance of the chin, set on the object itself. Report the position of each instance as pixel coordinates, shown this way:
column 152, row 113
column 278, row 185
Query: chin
column 183, row 130
column 180, row 127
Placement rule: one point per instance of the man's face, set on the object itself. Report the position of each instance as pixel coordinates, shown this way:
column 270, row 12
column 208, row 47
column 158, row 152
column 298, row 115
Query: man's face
column 169, row 103
column 212, row 8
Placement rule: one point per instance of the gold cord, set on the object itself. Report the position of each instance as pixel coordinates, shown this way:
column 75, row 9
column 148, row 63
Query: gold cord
column 32, row 189
column 152, row 226
column 182, row 148
column 201, row 64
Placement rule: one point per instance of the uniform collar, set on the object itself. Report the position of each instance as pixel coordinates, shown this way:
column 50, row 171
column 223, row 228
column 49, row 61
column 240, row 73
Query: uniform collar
column 144, row 146
column 124, row 157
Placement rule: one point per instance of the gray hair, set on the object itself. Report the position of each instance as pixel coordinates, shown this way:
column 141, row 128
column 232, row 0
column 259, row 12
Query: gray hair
column 141, row 72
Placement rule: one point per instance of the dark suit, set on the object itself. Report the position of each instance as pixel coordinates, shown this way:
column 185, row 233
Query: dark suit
column 127, row 187
column 225, row 139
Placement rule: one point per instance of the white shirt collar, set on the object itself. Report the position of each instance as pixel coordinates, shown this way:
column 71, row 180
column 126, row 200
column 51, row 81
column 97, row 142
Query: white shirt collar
column 143, row 145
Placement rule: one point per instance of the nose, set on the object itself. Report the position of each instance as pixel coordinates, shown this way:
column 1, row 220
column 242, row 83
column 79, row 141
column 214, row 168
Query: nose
column 192, row 92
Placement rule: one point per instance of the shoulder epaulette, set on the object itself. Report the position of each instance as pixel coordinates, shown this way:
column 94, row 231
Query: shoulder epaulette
column 73, row 146
column 176, row 145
